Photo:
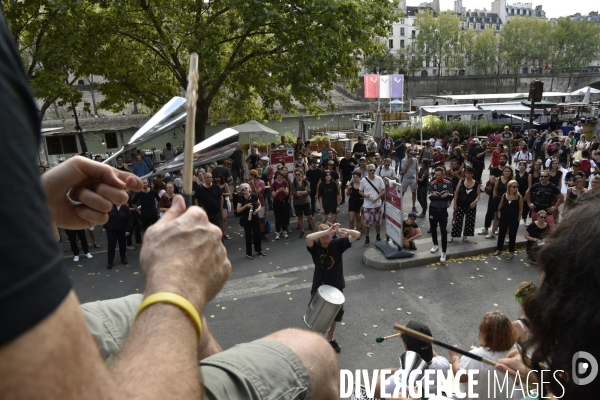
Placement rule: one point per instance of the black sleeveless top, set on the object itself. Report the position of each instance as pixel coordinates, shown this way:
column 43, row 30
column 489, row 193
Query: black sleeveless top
column 501, row 187
column 467, row 195
column 510, row 209
column 523, row 182
column 555, row 179
column 121, row 168
column 535, row 179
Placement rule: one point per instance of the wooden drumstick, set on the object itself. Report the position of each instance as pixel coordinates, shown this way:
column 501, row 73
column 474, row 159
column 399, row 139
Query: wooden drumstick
column 381, row 339
column 191, row 96
column 429, row 339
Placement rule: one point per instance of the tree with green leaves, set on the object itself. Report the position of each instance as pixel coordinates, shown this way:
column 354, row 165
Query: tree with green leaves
column 438, row 38
column 255, row 57
column 574, row 46
column 483, row 53
column 381, row 62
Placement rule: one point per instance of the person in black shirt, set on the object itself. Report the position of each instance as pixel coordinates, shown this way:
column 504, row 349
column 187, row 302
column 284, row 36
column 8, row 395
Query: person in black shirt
column 237, row 168
column 540, row 197
column 147, row 200
column 314, row 177
column 136, row 223
column 477, row 158
column 347, row 165
column 221, row 169
column 360, row 148
column 399, row 151
column 495, row 173
column 329, row 269
column 209, row 196
column 564, row 153
column 117, row 228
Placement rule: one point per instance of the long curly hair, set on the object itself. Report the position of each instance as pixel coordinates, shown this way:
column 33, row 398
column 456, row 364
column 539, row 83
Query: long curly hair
column 564, row 310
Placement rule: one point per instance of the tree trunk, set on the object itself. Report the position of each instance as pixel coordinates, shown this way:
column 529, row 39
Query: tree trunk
column 201, row 121
column 93, row 97
column 56, row 114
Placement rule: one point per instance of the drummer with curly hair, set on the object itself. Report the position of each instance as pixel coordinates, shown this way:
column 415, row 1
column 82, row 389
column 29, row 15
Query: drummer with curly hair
column 329, row 269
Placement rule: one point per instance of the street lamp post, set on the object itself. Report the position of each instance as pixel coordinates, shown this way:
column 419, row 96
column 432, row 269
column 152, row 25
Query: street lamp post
column 439, row 57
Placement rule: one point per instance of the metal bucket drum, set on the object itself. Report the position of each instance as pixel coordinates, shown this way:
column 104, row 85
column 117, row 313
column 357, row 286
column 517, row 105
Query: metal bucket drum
column 323, row 308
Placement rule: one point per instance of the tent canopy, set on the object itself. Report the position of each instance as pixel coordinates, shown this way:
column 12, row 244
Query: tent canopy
column 254, row 126
column 584, row 90
column 515, row 107
column 491, row 96
column 459, row 109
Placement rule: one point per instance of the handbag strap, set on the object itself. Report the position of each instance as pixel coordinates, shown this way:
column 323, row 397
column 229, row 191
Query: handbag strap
column 371, row 183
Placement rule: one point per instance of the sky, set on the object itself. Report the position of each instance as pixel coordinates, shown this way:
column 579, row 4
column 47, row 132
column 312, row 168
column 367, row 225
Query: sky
column 553, row 8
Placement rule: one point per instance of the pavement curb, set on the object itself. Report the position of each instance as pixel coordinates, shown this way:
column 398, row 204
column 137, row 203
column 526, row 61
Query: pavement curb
column 374, row 258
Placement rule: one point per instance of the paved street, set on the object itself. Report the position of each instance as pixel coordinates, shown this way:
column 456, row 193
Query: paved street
column 271, row 293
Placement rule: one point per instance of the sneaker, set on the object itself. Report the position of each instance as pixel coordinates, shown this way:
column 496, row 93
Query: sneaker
column 367, row 241
column 124, row 261
column 429, row 230
column 377, row 238
column 285, row 235
column 506, row 239
column 483, row 231
column 443, row 257
column 89, row 255
column 264, row 238
column 434, row 248
column 497, row 232
column 422, row 215
column 335, row 346
column 489, row 236
column 414, row 209
column 109, row 266
column 277, row 236
column 301, row 235
column 75, row 258
column 130, row 247
column 413, row 248
column 226, row 236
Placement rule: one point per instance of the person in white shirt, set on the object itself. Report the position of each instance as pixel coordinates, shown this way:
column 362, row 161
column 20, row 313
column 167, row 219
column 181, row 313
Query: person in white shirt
column 372, row 188
column 169, row 153
column 385, row 170
column 497, row 338
column 408, row 177
column 524, row 155
column 434, row 361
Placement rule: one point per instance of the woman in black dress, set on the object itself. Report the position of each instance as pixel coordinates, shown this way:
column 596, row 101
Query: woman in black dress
column 574, row 192
column 355, row 201
column 556, row 178
column 509, row 211
column 118, row 227
column 535, row 234
column 499, row 190
column 248, row 202
column 534, row 173
column 422, row 185
column 329, row 197
column 465, row 206
column 522, row 178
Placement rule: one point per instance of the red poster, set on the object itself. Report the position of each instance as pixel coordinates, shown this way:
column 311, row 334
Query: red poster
column 285, row 155
column 371, row 86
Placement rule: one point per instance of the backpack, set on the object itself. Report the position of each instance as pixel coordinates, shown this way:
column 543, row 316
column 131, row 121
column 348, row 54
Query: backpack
column 585, row 167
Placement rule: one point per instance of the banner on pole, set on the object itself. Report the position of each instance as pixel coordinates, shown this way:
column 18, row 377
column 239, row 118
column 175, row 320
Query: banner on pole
column 384, row 86
column 371, row 86
column 286, row 156
column 393, row 211
column 397, row 86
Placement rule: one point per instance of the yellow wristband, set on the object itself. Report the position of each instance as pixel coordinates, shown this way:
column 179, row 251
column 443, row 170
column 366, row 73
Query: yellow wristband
column 177, row 300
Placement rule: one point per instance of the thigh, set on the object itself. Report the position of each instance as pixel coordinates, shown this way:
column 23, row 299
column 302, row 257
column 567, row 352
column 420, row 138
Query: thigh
column 369, row 216
column 261, row 370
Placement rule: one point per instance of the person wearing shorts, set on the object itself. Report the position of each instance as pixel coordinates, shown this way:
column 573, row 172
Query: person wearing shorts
column 329, row 269
column 300, row 195
column 408, row 173
column 372, row 189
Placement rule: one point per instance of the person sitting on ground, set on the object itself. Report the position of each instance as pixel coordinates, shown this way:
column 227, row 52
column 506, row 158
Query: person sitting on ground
column 496, row 338
column 434, row 361
column 522, row 325
column 410, row 232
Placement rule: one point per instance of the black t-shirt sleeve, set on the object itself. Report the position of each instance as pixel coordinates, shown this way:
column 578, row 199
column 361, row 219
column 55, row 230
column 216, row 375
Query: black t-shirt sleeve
column 32, row 283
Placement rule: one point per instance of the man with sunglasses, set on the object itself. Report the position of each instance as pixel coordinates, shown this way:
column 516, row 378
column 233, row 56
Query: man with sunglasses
column 540, row 196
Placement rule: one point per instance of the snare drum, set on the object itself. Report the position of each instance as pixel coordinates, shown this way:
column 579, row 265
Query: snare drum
column 323, row 308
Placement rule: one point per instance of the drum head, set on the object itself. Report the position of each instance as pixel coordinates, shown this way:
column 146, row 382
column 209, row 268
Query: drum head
column 331, row 294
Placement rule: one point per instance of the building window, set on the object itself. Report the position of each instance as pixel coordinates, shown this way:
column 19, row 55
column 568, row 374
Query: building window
column 65, row 144
column 401, row 31
column 401, row 20
column 401, row 42
column 391, row 43
column 414, row 34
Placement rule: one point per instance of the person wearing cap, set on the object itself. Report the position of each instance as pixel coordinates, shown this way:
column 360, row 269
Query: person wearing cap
column 266, row 174
column 372, row 188
column 434, row 361
column 257, row 187
column 362, row 167
column 326, row 252
column 359, row 149
column 466, row 196
column 314, row 177
column 410, row 232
